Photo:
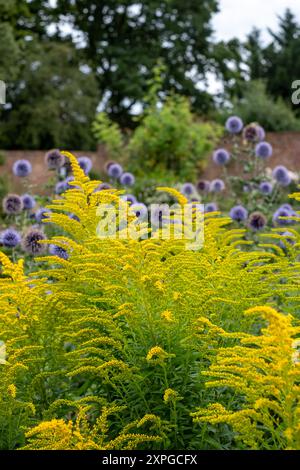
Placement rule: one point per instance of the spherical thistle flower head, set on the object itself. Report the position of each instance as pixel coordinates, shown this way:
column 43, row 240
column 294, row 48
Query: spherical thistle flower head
column 54, row 159
column 257, row 221
column 56, row 250
column 281, row 175
column 202, row 185
column 68, row 180
column 108, row 164
column 115, row 170
column 129, row 198
column 261, row 133
column 238, row 213
column 40, row 214
column 160, row 214
column 281, row 212
column 188, row 189
column 12, row 204
column 211, row 207
column 266, row 188
column 10, row 238
column 74, row 217
column 31, row 242
column 217, row 185
column 221, row 157
column 140, row 210
column 251, row 133
column 28, row 202
column 234, row 124
column 127, row 179
column 246, row 188
column 102, row 187
column 22, row 168
column 85, row 164
column 61, row 187
column 263, row 150
column 288, row 238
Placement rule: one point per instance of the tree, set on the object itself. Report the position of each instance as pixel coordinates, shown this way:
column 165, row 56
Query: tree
column 122, row 41
column 52, row 102
column 279, row 62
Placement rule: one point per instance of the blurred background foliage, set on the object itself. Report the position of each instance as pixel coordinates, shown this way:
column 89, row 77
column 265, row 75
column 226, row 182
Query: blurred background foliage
column 64, row 62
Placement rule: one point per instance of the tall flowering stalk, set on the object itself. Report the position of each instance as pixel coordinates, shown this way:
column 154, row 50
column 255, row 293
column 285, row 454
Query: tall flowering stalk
column 265, row 370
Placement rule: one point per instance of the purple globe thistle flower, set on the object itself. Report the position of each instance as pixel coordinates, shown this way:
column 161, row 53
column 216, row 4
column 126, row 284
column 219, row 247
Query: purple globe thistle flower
column 74, row 217
column 202, row 185
column 54, row 159
column 238, row 213
column 266, row 188
column 127, row 179
column 22, row 168
column 263, row 150
column 129, row 198
column 257, row 221
column 61, row 187
column 188, row 189
column 69, row 180
column 28, row 202
column 108, row 164
column 40, row 214
column 115, row 170
column 85, row 164
column 140, row 210
column 102, row 187
column 251, row 133
column 12, row 204
column 261, row 133
column 10, row 238
column 160, row 214
column 31, row 242
column 221, row 157
column 56, row 250
column 217, row 185
column 288, row 238
column 211, row 207
column 247, row 188
column 287, row 207
column 281, row 212
column 281, row 175
column 234, row 124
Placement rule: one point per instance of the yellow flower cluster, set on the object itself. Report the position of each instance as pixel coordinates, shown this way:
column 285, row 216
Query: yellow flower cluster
column 83, row 329
column 262, row 369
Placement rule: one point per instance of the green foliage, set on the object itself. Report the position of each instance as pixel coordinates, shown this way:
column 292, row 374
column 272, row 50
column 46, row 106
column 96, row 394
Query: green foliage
column 108, row 133
column 2, row 158
column 280, row 64
column 125, row 39
column 3, row 186
column 256, row 105
column 53, row 106
column 109, row 349
column 169, row 138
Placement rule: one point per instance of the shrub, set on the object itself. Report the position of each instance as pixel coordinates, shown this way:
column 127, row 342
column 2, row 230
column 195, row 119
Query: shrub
column 169, row 138
column 257, row 106
column 108, row 133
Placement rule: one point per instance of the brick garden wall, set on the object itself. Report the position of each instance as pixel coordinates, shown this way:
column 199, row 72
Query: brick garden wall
column 286, row 147
column 40, row 174
column 286, row 151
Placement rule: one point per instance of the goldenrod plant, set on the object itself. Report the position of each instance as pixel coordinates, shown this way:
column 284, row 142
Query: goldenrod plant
column 109, row 346
column 264, row 370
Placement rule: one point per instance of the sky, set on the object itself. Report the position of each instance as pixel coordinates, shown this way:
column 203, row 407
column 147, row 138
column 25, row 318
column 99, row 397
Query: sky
column 238, row 17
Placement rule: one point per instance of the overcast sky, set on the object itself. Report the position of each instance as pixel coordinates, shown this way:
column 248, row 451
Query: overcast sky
column 237, row 17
